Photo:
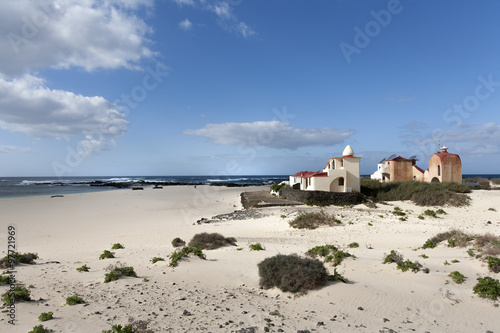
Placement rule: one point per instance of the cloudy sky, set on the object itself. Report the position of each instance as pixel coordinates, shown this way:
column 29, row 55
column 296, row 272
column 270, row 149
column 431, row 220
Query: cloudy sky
column 203, row 87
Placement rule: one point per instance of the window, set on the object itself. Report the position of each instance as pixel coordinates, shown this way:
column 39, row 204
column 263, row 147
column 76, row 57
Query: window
column 439, row 170
column 341, row 181
column 341, row 163
column 333, row 164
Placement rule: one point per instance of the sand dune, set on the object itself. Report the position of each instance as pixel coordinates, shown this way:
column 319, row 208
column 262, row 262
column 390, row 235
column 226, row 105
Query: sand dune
column 222, row 294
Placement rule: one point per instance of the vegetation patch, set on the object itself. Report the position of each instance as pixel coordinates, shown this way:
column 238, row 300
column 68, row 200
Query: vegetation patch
column 45, row 316
column 40, row 329
column 256, row 247
column 421, row 193
column 75, row 299
column 19, row 293
column 493, row 264
column 330, row 253
column 119, row 329
column 133, row 326
column 5, row 279
column 430, row 212
column 487, row 287
column 397, row 258
column 206, row 241
column 106, row 255
column 457, row 277
column 313, row 220
column 292, row 273
column 83, row 268
column 353, row 245
column 156, row 259
column 177, row 242
column 117, row 271
column 117, row 246
column 18, row 258
column 398, row 212
column 178, row 255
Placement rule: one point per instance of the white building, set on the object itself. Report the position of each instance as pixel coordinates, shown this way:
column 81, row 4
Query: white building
column 340, row 174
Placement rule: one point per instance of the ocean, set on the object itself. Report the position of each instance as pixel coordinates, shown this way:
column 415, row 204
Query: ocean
column 11, row 187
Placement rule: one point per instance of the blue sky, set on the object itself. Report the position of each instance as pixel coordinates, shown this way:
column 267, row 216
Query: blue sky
column 206, row 87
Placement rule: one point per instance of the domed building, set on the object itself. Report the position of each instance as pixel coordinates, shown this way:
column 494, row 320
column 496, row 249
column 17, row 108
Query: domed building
column 340, row 174
column 444, row 167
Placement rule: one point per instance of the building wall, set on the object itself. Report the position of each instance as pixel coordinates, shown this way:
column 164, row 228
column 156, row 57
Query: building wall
column 352, row 180
column 401, row 171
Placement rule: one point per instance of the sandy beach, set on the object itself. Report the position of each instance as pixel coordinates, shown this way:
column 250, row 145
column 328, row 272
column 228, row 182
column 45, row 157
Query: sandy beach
column 221, row 293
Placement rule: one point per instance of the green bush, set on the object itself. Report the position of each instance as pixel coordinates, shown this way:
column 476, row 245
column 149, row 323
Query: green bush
column 330, row 253
column 409, row 265
column 20, row 258
column 313, row 220
column 430, row 212
column 398, row 212
column 206, row 241
column 75, row 299
column 421, row 193
column 441, row 211
column 291, row 273
column 353, row 245
column 156, row 259
column 184, row 252
column 256, row 247
column 119, row 329
column 19, row 293
column 393, row 257
column 177, row 242
column 5, row 279
column 494, row 264
column 107, row 254
column 420, row 217
column 487, row 287
column 276, row 187
column 83, row 268
column 40, row 329
column 45, row 316
column 117, row 271
column 117, row 246
column 457, row 277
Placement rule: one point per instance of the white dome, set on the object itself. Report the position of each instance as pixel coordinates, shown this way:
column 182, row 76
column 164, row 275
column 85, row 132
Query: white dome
column 348, row 151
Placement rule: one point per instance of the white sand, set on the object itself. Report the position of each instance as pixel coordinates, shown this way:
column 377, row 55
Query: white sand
column 222, row 293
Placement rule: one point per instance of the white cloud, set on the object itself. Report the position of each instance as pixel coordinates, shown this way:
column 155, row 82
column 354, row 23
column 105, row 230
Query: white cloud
column 479, row 138
column 272, row 134
column 186, row 24
column 90, row 34
column 224, row 11
column 5, row 149
column 184, row 2
column 28, row 106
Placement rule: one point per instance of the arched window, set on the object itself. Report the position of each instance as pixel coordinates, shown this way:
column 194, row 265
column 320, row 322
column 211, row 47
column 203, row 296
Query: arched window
column 341, row 181
column 333, row 164
column 341, row 163
column 439, row 170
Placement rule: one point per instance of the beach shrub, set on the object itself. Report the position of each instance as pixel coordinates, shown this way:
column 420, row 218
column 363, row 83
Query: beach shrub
column 75, row 299
column 421, row 217
column 441, row 211
column 119, row 329
column 330, row 253
column 430, row 212
column 5, row 279
column 424, row 256
column 457, row 277
column 206, row 241
column 45, row 316
column 353, row 245
column 494, row 264
column 409, row 265
column 106, row 255
column 83, row 268
column 184, row 252
column 40, row 329
column 313, row 220
column 18, row 293
column 291, row 273
column 18, row 258
column 256, row 247
column 117, row 246
column 117, row 271
column 487, row 287
column 393, row 257
column 276, row 187
column 421, row 193
column 177, row 242
column 398, row 212
column 156, row 259
column 492, row 209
